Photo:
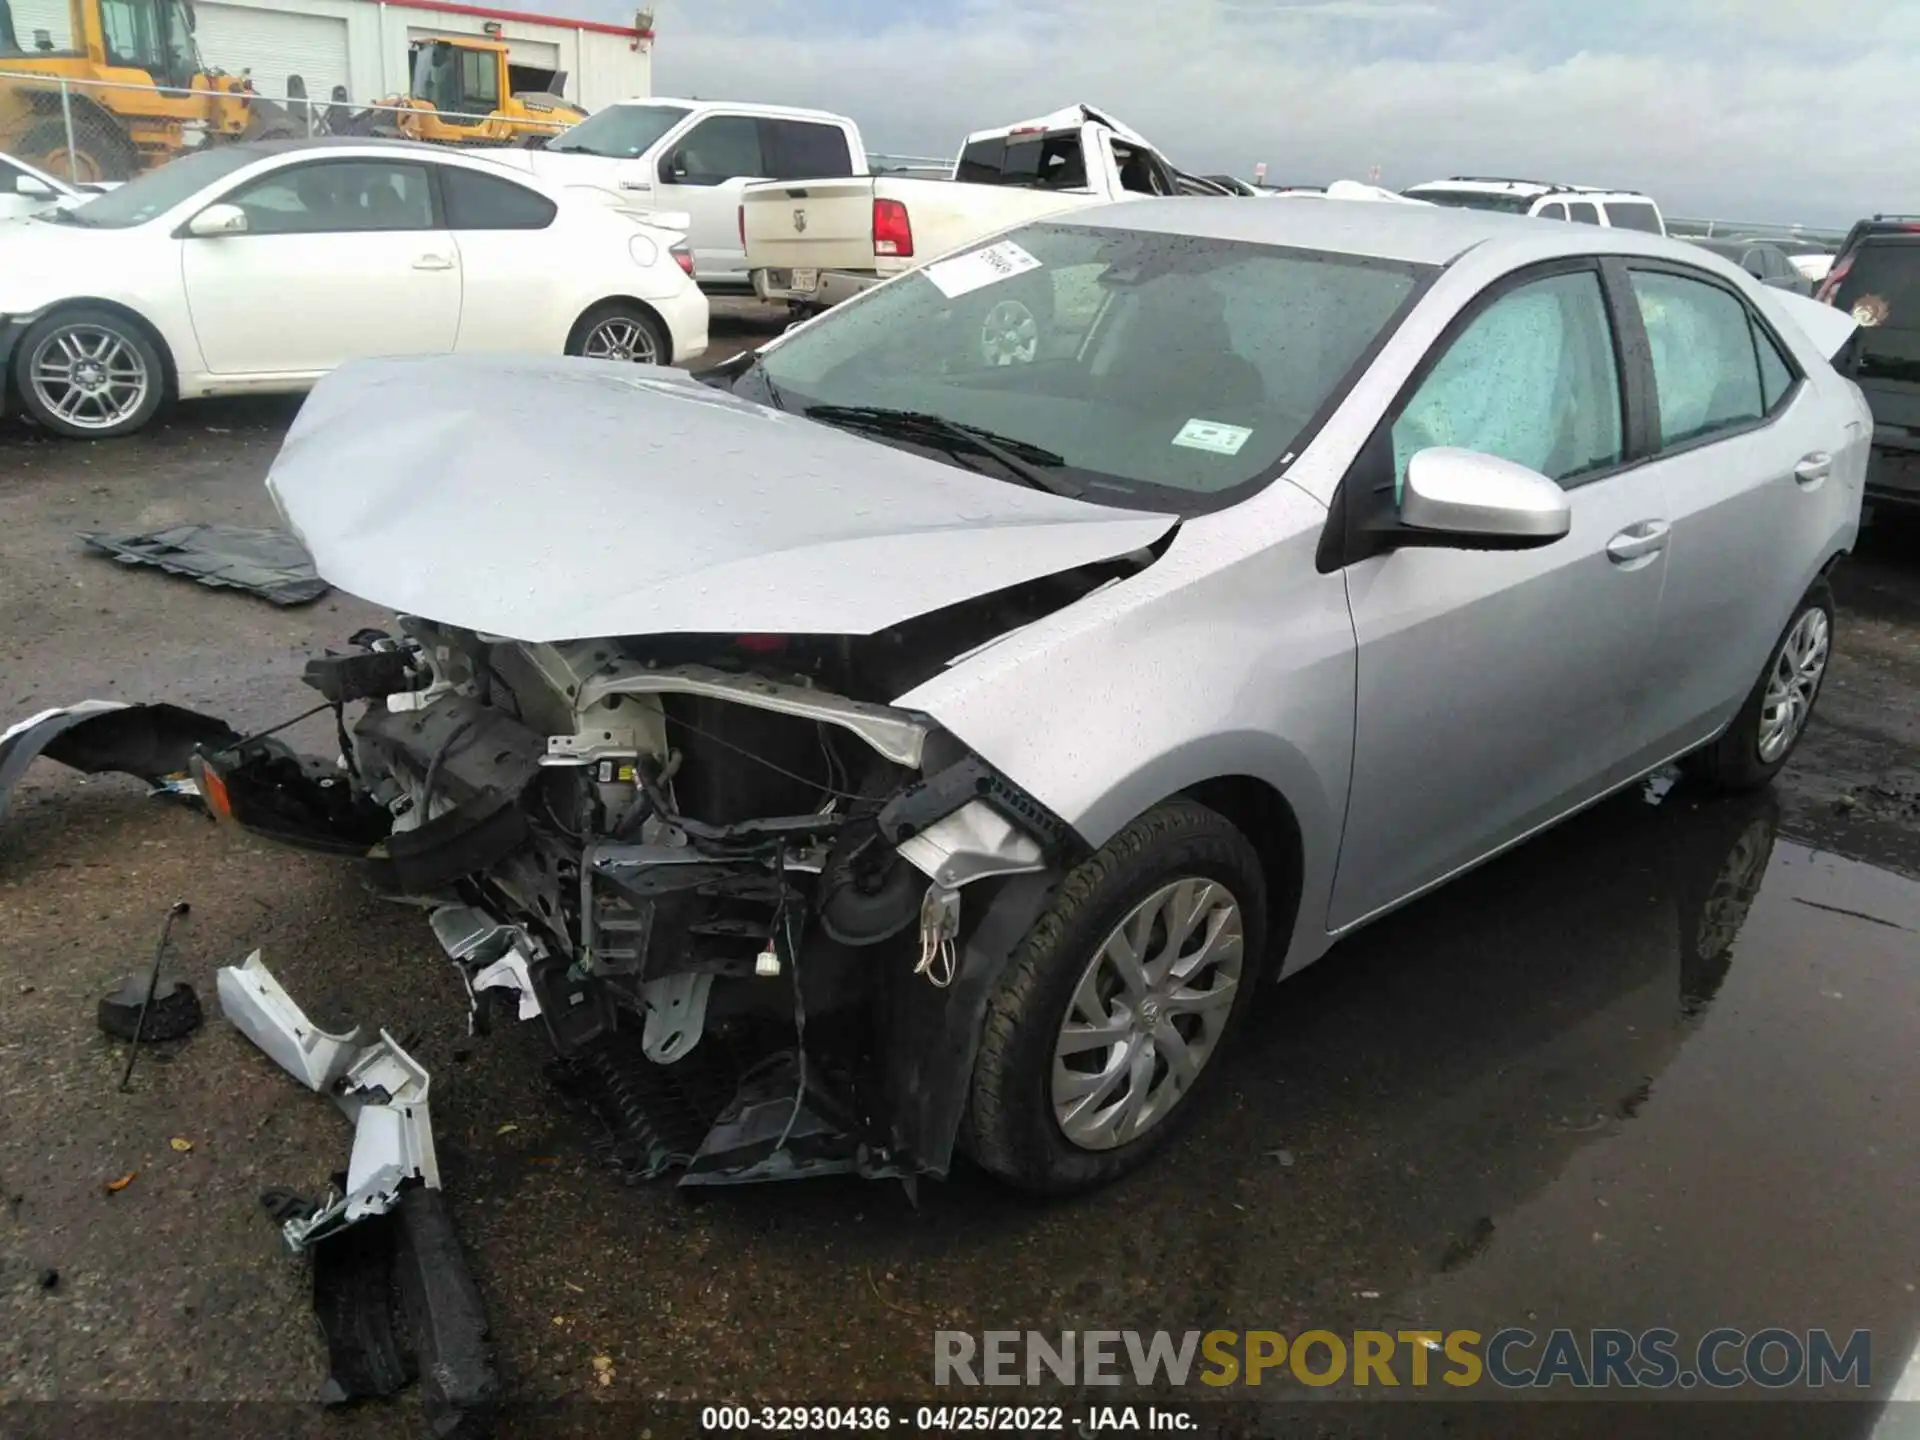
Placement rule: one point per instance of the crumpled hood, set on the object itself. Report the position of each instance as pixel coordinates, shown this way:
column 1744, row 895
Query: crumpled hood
column 547, row 499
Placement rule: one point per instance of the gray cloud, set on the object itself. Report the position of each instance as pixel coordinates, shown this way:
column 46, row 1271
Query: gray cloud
column 1760, row 109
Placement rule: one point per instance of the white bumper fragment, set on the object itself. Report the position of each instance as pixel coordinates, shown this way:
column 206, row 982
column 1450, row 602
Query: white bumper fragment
column 382, row 1089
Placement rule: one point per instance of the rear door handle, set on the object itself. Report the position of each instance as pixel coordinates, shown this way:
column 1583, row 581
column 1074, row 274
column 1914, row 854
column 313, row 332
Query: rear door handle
column 1638, row 542
column 1813, row 468
column 433, row 262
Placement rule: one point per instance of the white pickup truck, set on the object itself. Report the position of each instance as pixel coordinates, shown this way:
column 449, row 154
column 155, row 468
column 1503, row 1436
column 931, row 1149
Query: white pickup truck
column 814, row 243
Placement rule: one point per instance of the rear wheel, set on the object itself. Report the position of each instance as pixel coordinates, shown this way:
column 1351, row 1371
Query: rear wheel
column 621, row 331
column 1116, row 1005
column 1762, row 736
column 89, row 373
column 87, row 157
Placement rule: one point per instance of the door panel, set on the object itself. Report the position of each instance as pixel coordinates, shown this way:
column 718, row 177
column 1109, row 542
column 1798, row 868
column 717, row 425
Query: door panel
column 1744, row 525
column 1498, row 689
column 703, row 174
column 341, row 260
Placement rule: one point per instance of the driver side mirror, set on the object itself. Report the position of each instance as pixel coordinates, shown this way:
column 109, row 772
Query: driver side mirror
column 1482, row 502
column 217, row 220
column 673, row 168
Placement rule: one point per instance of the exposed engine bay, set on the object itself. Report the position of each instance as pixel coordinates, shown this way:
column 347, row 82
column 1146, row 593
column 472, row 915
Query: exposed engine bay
column 735, row 887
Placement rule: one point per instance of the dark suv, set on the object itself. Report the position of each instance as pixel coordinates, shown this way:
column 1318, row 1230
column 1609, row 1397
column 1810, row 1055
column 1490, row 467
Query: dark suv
column 1877, row 279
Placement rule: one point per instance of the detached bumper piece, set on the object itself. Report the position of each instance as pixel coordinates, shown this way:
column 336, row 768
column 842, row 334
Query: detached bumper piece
column 382, row 1242
column 154, row 743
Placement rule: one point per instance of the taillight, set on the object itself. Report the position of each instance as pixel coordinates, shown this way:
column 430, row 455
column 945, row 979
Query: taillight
column 892, row 231
column 742, row 212
column 683, row 257
column 760, row 644
column 1831, row 285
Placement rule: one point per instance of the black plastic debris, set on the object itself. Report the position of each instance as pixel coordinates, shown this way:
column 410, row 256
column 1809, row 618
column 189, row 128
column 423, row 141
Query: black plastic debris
column 268, row 563
column 174, row 1014
column 398, row 1306
column 150, row 742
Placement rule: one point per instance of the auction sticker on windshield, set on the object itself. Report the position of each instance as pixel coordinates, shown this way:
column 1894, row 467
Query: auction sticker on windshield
column 1214, row 435
column 976, row 268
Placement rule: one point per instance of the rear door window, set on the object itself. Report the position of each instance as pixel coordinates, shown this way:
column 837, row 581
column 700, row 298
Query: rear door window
column 1553, row 210
column 1704, row 364
column 1776, row 375
column 1584, row 211
column 1042, row 162
column 805, row 150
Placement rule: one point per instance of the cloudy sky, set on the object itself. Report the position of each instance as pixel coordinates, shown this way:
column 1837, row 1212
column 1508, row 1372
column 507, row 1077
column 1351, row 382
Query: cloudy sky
column 1752, row 109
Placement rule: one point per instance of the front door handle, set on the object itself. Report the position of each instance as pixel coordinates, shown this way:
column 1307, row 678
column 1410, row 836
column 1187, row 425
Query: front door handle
column 1638, row 542
column 433, row 262
column 1813, row 468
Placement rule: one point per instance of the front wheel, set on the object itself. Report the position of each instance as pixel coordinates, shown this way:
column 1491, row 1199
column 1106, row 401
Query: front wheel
column 1116, row 1004
column 90, row 374
column 1763, row 735
column 621, row 331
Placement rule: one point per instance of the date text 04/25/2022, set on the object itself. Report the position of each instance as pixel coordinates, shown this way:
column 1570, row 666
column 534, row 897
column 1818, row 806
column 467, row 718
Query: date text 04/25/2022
column 942, row 1419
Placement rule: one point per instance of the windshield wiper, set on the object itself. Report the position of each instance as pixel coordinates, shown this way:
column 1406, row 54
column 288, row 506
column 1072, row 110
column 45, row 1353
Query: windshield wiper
column 1020, row 459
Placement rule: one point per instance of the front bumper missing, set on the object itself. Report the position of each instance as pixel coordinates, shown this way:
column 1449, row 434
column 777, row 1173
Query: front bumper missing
column 382, row 1089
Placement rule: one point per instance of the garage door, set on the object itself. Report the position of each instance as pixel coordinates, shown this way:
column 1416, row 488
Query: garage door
column 47, row 15
column 273, row 44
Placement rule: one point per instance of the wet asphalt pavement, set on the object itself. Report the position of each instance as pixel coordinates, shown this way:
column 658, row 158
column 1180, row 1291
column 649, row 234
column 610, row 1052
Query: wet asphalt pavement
column 1656, row 1068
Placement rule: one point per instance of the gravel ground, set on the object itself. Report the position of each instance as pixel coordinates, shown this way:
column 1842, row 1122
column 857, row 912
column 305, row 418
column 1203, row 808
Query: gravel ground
column 1429, row 1126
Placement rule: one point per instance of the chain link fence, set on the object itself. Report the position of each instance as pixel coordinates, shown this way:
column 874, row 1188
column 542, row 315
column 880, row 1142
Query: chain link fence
column 87, row 131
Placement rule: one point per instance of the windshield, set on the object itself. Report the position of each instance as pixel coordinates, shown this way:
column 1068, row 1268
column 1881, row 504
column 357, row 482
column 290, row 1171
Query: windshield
column 621, row 132
column 156, row 191
column 1161, row 372
column 1475, row 200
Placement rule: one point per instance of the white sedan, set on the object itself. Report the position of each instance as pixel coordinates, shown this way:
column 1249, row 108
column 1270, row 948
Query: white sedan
column 259, row 268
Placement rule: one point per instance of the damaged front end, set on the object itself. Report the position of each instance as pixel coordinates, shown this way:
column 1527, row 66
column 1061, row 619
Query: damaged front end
column 756, row 911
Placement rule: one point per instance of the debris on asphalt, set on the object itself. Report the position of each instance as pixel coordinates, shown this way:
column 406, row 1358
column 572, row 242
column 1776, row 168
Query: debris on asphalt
column 49, row 1278
column 381, row 1088
column 150, row 742
column 181, row 1145
column 269, row 563
column 382, row 1240
column 114, row 1187
column 175, row 1012
column 174, row 912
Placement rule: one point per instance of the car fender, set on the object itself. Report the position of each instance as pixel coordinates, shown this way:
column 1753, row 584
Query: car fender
column 1228, row 656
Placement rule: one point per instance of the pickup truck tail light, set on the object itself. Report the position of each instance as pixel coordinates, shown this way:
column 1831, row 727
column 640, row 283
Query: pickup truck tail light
column 892, row 231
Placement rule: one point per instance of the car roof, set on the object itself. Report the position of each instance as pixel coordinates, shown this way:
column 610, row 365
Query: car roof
column 1530, row 189
column 753, row 107
column 1377, row 229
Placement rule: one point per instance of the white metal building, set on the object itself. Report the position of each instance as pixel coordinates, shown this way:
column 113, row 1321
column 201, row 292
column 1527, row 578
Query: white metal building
column 362, row 44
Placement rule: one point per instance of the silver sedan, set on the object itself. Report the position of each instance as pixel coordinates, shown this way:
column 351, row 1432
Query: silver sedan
column 968, row 697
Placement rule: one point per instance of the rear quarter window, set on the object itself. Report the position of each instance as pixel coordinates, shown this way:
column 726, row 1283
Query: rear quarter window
column 1882, row 286
column 486, row 202
column 1628, row 215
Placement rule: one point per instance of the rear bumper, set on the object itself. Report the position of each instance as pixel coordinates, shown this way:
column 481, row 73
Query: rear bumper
column 833, row 287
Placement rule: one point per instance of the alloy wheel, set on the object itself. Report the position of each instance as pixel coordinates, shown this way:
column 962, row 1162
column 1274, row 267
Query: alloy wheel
column 620, row 338
column 90, row 376
column 1793, row 683
column 1148, row 1013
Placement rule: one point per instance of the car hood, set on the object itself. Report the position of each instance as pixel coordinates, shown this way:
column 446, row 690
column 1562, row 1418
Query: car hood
column 558, row 499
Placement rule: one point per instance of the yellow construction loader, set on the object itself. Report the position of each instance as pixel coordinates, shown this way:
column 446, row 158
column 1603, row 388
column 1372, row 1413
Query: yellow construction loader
column 136, row 94
column 463, row 94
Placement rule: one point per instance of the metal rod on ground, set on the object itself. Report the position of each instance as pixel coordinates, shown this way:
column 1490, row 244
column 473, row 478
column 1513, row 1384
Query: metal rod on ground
column 179, row 907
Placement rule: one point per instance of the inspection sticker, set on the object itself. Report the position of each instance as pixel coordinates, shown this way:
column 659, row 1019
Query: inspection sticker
column 1214, row 435
column 976, row 268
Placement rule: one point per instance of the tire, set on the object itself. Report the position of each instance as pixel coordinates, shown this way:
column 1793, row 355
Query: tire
column 1014, row 1126
column 1749, row 753
column 86, row 341
column 642, row 339
column 106, row 155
